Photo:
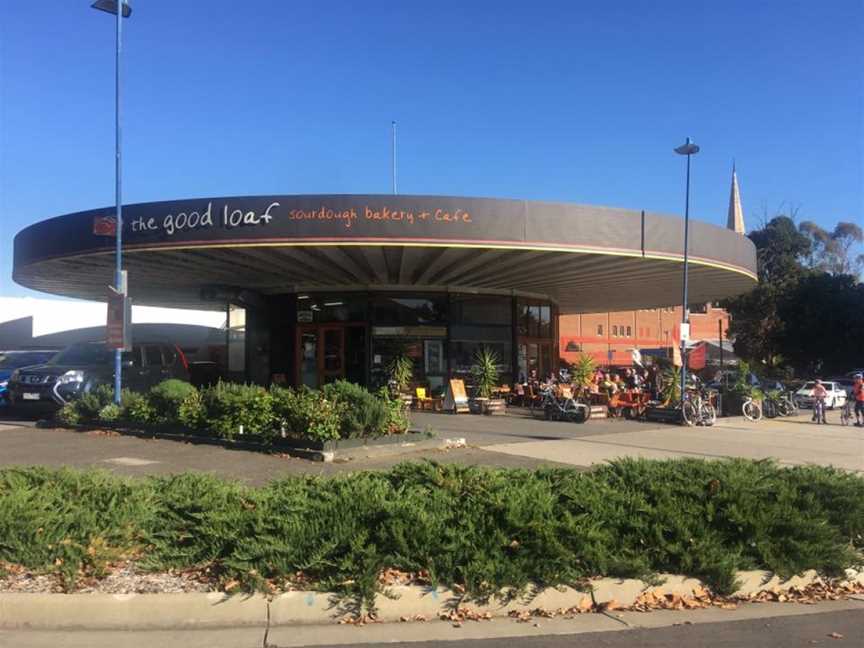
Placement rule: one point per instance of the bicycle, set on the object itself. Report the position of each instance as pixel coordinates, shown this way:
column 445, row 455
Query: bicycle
column 550, row 406
column 789, row 404
column 751, row 409
column 696, row 408
column 846, row 412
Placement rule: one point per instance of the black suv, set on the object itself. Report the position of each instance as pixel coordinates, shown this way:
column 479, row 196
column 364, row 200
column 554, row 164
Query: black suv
column 79, row 368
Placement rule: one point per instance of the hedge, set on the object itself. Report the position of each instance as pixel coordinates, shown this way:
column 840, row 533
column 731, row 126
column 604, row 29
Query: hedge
column 479, row 528
column 227, row 410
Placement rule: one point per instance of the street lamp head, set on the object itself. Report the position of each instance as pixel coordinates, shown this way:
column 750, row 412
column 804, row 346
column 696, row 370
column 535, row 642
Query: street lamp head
column 110, row 6
column 687, row 148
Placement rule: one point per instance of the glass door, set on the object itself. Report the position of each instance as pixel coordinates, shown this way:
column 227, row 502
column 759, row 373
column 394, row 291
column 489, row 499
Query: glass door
column 320, row 355
column 307, row 351
column 332, row 348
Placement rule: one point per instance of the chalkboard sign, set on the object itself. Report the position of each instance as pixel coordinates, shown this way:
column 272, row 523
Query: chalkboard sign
column 456, row 400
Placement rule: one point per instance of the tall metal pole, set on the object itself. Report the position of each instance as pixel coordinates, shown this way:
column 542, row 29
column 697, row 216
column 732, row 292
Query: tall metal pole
column 720, row 337
column 118, row 353
column 684, row 317
column 393, row 156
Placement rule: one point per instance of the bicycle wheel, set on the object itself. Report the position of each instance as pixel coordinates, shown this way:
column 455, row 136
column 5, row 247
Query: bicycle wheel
column 708, row 414
column 782, row 407
column 751, row 411
column 585, row 406
column 791, row 406
column 574, row 412
column 689, row 413
column 538, row 409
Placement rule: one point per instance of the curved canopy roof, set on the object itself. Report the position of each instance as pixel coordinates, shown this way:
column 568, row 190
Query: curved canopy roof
column 588, row 259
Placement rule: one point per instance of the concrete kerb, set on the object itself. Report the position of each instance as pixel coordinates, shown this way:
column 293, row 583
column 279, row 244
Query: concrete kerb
column 20, row 611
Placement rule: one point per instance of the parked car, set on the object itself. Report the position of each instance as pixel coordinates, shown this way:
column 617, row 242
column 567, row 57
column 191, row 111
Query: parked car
column 82, row 367
column 12, row 360
column 836, row 394
column 846, row 384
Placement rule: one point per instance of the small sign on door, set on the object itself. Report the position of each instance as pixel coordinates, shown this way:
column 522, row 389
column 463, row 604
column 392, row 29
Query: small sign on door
column 304, row 316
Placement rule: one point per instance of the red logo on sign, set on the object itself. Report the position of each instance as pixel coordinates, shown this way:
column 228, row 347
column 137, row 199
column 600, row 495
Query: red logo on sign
column 104, row 226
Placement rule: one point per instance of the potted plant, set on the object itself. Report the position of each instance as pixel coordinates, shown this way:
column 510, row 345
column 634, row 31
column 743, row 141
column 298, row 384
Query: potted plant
column 739, row 390
column 484, row 371
column 671, row 392
column 400, row 371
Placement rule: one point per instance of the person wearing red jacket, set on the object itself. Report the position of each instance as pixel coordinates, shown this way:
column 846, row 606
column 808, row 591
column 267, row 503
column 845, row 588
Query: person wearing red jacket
column 858, row 395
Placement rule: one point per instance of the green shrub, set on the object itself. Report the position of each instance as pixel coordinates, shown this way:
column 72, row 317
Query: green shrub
column 168, row 396
column 136, row 408
column 306, row 414
column 110, row 413
column 68, row 415
column 90, row 403
column 397, row 414
column 191, row 412
column 363, row 414
column 230, row 407
column 476, row 527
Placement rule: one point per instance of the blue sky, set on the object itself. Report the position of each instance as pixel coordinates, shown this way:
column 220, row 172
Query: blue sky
column 562, row 101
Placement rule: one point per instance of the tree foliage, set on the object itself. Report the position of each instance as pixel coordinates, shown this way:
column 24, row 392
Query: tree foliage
column 807, row 310
column 823, row 323
column 833, row 252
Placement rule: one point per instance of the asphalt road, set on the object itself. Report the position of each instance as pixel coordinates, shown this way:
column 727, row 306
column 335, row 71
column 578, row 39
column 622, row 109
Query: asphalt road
column 826, row 629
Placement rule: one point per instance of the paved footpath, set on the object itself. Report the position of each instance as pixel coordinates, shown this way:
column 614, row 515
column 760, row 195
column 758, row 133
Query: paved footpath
column 515, row 440
column 788, row 440
column 767, row 625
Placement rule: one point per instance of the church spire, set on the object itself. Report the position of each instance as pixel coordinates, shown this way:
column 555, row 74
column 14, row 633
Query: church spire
column 735, row 219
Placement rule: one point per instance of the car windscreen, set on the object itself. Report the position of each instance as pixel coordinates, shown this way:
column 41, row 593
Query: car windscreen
column 25, row 359
column 84, row 354
column 809, row 385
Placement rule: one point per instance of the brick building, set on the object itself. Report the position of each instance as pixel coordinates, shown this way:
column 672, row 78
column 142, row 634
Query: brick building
column 610, row 337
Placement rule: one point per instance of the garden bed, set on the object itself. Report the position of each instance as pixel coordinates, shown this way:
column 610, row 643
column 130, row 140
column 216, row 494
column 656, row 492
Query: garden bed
column 315, row 450
column 474, row 530
column 316, row 423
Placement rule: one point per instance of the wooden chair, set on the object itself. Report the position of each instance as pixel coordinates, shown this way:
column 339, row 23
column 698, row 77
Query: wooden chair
column 422, row 401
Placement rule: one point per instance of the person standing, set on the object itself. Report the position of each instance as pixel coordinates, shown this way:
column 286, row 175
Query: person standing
column 819, row 396
column 858, row 395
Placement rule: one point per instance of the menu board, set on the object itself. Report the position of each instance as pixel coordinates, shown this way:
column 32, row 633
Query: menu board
column 456, row 400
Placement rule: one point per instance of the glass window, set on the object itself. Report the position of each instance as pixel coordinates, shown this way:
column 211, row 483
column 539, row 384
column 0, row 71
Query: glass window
column 17, row 359
column 236, row 338
column 331, row 308
column 87, row 353
column 410, row 311
column 153, row 355
column 384, row 349
column 599, row 329
column 480, row 333
column 462, row 359
column 629, row 332
column 481, row 309
column 534, row 320
column 545, row 322
column 614, row 330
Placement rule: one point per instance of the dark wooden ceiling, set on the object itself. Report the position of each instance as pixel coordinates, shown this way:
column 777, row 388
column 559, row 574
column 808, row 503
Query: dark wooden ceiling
column 580, row 282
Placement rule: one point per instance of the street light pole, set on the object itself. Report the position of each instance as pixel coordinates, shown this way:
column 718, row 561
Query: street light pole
column 393, row 155
column 688, row 149
column 110, row 6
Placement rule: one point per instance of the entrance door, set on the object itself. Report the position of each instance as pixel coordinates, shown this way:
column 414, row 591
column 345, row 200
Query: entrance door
column 320, row 355
column 332, row 344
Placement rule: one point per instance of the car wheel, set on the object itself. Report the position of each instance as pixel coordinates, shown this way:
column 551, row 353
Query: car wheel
column 833, row 403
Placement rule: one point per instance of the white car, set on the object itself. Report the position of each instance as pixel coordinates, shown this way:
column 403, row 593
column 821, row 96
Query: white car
column 836, row 396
